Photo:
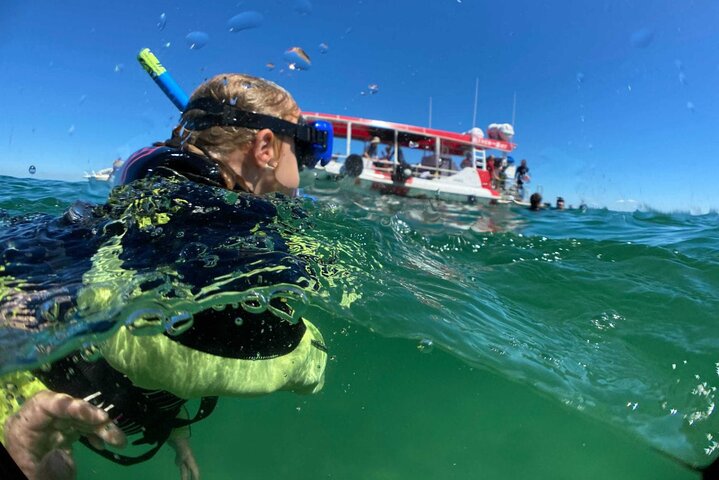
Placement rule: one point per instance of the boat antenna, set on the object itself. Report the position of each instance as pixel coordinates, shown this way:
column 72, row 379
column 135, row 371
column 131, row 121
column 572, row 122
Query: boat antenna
column 430, row 112
column 476, row 94
column 514, row 108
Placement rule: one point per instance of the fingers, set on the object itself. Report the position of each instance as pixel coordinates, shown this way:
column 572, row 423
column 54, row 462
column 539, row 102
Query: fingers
column 62, row 406
column 50, row 412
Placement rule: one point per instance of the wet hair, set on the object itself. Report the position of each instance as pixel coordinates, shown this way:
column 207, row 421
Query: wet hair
column 243, row 91
column 535, row 201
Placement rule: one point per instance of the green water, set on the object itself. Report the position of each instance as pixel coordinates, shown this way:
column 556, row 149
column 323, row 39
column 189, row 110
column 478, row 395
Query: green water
column 391, row 412
column 482, row 343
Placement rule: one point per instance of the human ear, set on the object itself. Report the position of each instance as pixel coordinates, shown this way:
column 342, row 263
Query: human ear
column 263, row 149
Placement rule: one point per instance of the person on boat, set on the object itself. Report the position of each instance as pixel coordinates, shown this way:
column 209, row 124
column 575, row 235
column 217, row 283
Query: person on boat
column 492, row 171
column 239, row 133
column 467, row 160
column 535, row 202
column 560, row 203
column 521, row 176
column 372, row 148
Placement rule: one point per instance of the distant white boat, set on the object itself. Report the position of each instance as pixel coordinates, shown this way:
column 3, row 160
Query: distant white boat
column 104, row 175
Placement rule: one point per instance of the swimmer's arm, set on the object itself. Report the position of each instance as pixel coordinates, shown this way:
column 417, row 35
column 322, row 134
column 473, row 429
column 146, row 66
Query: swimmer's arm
column 40, row 435
column 185, row 458
column 179, row 440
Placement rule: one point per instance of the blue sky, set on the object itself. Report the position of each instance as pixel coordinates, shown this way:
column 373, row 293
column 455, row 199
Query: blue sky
column 617, row 101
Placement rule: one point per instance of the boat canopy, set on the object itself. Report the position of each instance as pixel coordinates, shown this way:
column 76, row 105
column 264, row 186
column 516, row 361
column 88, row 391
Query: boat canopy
column 406, row 135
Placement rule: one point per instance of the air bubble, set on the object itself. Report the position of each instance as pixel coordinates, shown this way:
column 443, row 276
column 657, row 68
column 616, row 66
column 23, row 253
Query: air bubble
column 324, row 48
column 373, row 88
column 425, row 345
column 162, row 21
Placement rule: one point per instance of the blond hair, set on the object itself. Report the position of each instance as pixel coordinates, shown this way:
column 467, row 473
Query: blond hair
column 245, row 92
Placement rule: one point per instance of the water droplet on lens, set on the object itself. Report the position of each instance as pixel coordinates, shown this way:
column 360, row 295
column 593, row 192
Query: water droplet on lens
column 303, row 7
column 324, row 48
column 162, row 21
column 197, row 40
column 642, row 38
column 245, row 21
column 32, row 170
column 297, row 59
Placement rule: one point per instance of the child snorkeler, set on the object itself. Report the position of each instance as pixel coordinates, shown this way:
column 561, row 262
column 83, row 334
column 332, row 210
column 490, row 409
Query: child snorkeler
column 240, row 133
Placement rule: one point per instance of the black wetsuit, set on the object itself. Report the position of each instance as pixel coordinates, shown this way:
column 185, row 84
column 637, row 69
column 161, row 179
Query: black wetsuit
column 153, row 413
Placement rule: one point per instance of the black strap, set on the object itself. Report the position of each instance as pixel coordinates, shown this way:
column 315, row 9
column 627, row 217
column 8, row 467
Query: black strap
column 207, row 405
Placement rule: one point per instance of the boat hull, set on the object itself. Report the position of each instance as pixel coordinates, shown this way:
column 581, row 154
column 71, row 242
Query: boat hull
column 464, row 186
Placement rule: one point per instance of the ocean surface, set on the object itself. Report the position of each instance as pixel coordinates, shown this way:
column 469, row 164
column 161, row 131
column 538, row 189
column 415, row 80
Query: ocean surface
column 465, row 342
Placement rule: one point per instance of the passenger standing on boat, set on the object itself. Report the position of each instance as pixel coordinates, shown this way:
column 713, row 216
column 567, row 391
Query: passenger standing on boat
column 492, row 172
column 521, row 176
column 240, row 133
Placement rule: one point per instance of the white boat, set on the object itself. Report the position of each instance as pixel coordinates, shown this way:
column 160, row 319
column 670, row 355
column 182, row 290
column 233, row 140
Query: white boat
column 105, row 175
column 418, row 162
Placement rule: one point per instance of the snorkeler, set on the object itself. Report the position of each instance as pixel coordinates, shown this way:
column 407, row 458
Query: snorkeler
column 240, row 133
column 535, row 202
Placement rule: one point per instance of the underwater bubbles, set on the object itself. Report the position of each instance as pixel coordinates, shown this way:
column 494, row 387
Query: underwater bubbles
column 642, row 38
column 691, row 107
column 31, row 170
column 425, row 345
column 580, row 78
column 270, row 66
column 162, row 21
column 119, row 67
column 297, row 59
column 245, row 21
column 303, row 7
column 373, row 88
column 197, row 40
column 324, row 48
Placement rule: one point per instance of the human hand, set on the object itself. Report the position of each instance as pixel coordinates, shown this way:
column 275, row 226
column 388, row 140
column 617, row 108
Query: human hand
column 40, row 435
column 185, row 459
